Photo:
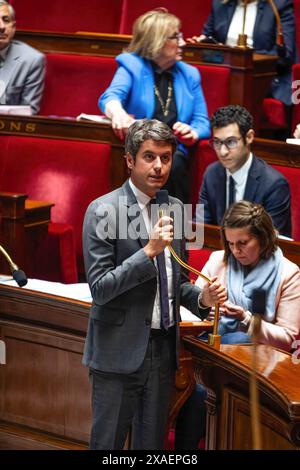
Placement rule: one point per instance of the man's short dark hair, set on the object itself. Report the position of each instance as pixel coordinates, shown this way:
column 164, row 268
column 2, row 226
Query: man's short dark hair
column 148, row 129
column 232, row 114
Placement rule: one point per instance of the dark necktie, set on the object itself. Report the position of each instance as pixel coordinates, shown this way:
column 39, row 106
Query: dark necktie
column 231, row 198
column 163, row 286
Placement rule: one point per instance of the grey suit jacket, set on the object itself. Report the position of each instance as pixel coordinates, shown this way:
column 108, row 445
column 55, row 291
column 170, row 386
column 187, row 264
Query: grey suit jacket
column 22, row 76
column 123, row 282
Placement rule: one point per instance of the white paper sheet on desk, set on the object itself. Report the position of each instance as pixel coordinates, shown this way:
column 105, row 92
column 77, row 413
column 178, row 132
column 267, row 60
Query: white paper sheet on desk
column 21, row 110
column 80, row 291
column 186, row 315
column 293, row 141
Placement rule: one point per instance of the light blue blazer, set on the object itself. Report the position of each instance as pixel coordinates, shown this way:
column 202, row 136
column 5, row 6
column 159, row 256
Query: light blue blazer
column 133, row 86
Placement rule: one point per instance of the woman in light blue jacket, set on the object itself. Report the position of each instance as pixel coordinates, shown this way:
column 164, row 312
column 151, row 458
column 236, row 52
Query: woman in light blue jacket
column 152, row 82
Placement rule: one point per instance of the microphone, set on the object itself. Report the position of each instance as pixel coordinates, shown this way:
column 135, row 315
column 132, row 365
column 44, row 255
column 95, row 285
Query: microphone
column 18, row 275
column 162, row 199
column 258, row 309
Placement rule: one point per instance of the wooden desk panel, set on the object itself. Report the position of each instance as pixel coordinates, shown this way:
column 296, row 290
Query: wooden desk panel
column 44, row 390
column 23, row 223
column 227, row 373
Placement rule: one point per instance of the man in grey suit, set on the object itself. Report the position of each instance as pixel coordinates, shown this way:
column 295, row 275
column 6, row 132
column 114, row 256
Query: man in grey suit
column 22, row 68
column 239, row 174
column 131, row 355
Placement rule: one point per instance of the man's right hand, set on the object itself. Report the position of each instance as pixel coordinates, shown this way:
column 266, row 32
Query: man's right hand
column 161, row 235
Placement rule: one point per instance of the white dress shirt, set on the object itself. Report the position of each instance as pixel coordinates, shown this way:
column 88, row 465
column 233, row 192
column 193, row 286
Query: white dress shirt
column 240, row 180
column 143, row 201
column 236, row 25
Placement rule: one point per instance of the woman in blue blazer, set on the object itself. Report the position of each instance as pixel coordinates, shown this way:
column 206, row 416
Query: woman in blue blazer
column 152, row 82
column 224, row 25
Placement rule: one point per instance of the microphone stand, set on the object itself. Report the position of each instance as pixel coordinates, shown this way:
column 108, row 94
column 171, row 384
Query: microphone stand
column 254, row 399
column 242, row 38
column 214, row 339
column 279, row 36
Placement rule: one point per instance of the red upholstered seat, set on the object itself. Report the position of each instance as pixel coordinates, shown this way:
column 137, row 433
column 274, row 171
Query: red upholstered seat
column 69, row 16
column 192, row 14
column 197, row 259
column 69, row 173
column 74, row 83
column 215, row 84
column 296, row 105
column 293, row 177
column 274, row 114
column 203, row 157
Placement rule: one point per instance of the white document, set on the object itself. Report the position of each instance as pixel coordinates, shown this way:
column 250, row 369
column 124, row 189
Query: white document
column 94, row 118
column 293, row 141
column 80, row 291
column 15, row 110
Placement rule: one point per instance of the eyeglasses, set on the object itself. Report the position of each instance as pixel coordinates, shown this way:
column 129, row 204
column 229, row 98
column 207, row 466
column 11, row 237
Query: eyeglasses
column 230, row 143
column 177, row 36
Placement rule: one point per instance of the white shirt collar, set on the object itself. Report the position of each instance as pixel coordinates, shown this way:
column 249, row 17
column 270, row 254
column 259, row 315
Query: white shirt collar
column 141, row 197
column 241, row 174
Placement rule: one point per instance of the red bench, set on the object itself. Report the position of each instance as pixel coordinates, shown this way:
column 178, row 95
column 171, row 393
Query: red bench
column 62, row 15
column 74, row 83
column 68, row 173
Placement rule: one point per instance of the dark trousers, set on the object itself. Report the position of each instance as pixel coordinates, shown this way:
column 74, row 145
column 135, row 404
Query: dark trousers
column 143, row 395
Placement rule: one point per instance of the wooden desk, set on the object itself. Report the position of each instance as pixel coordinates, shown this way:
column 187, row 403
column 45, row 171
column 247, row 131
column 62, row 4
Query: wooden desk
column 251, row 73
column 226, row 373
column 23, row 223
column 44, row 389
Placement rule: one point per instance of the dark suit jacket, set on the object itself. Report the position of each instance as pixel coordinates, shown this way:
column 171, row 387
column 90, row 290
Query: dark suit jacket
column 264, row 185
column 123, row 282
column 264, row 37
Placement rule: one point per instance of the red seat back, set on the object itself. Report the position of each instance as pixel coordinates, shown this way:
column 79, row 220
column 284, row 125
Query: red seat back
column 192, row 14
column 215, row 83
column 69, row 173
column 69, row 16
column 74, row 83
column 293, row 177
column 203, row 157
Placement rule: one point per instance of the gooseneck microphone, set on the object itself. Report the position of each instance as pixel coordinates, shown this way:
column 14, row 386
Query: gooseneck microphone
column 214, row 339
column 18, row 275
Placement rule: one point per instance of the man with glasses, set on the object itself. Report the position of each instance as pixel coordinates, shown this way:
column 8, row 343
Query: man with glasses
column 239, row 174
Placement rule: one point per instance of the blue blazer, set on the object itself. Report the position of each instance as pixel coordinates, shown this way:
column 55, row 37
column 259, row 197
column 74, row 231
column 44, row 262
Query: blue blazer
column 133, row 86
column 264, row 38
column 265, row 185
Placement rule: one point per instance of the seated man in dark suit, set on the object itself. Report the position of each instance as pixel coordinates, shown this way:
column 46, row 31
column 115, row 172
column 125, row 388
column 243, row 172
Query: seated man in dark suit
column 22, row 68
column 241, row 175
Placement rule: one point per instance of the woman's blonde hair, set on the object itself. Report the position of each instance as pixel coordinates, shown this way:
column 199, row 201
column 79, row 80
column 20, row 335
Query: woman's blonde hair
column 253, row 216
column 150, row 32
